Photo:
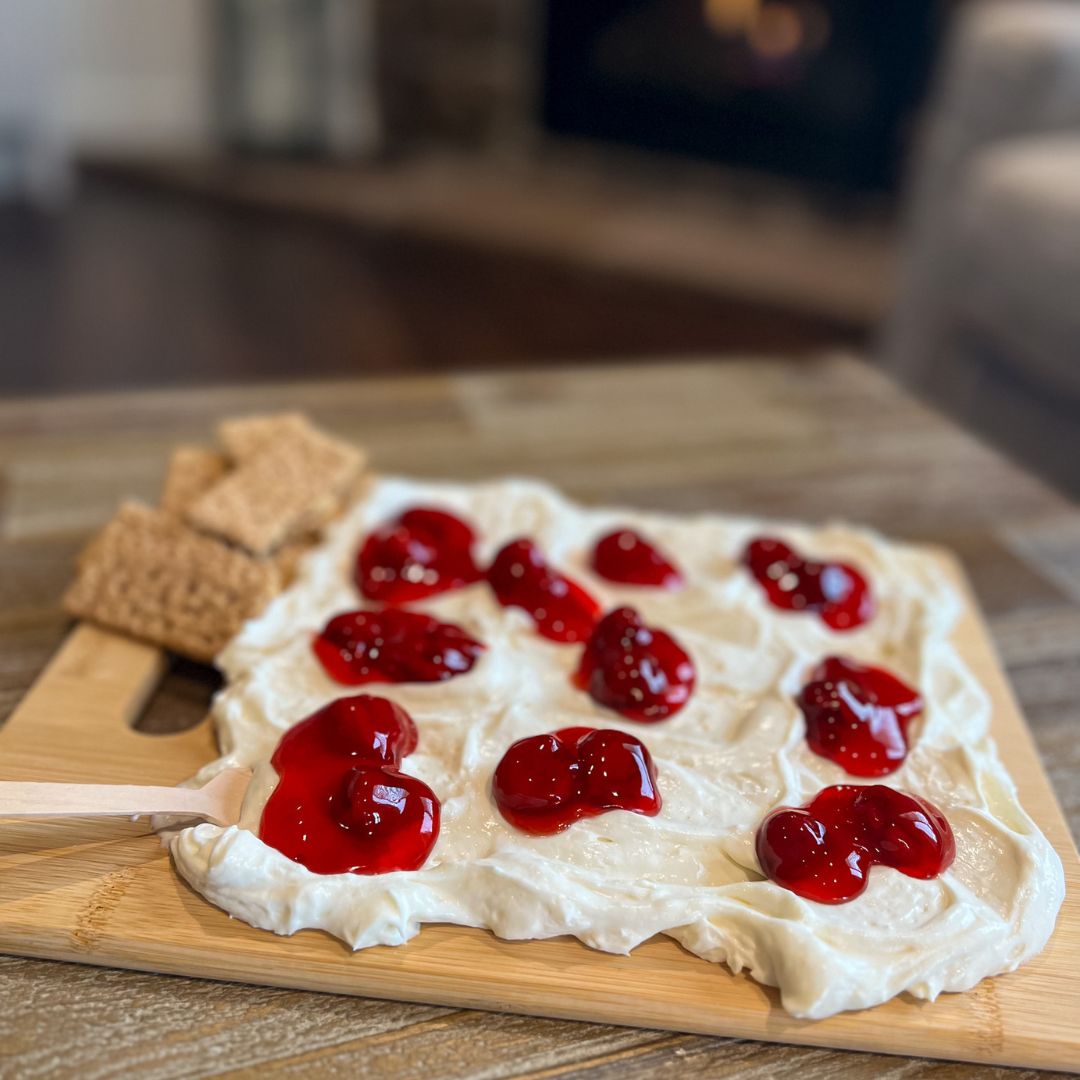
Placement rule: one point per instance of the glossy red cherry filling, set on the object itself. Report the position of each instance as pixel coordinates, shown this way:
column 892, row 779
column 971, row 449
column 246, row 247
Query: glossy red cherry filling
column 561, row 609
column 837, row 592
column 393, row 646
column 342, row 805
column 823, row 851
column 547, row 782
column 638, row 671
column 858, row 716
column 423, row 552
column 627, row 557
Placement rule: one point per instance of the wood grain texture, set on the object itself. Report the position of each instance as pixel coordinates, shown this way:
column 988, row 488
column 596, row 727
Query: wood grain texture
column 827, row 439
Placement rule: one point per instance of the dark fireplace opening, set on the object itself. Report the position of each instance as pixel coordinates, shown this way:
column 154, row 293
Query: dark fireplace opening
column 823, row 91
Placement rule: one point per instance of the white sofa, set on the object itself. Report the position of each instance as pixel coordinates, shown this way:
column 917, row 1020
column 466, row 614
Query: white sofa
column 987, row 318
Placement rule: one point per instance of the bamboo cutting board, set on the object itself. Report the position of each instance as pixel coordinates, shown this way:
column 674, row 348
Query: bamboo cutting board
column 104, row 893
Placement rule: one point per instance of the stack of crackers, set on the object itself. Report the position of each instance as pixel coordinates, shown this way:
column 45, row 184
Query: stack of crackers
column 225, row 538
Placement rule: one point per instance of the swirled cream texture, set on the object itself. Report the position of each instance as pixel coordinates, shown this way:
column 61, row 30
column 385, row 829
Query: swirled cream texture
column 736, row 751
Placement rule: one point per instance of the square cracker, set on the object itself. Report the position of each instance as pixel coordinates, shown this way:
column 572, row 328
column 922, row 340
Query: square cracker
column 245, row 436
column 289, row 486
column 148, row 575
column 192, row 471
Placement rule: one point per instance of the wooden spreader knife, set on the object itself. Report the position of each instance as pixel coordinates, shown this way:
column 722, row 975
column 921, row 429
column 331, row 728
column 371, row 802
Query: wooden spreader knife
column 217, row 801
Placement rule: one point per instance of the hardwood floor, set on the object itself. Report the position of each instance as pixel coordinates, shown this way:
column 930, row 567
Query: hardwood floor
column 135, row 286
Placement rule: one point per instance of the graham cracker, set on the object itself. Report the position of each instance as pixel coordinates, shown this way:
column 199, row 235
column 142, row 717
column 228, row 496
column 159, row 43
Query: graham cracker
column 288, row 487
column 192, row 471
column 245, row 436
column 287, row 557
column 150, row 576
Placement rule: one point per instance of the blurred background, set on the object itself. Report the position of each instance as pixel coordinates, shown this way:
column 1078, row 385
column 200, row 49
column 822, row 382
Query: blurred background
column 217, row 191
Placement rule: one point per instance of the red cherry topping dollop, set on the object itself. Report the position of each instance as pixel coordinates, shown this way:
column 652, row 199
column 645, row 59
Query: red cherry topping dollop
column 627, row 557
column 562, row 609
column 823, row 851
column 342, row 805
column 421, row 553
column 858, row 716
column 640, row 672
column 393, row 646
column 837, row 592
column 547, row 782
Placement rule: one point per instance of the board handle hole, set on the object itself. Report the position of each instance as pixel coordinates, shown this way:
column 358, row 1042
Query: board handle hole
column 181, row 699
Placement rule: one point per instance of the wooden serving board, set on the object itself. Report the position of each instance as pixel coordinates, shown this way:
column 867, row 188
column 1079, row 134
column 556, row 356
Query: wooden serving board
column 104, row 892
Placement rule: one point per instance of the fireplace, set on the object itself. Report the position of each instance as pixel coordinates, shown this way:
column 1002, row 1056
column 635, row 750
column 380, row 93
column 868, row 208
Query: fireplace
column 822, row 91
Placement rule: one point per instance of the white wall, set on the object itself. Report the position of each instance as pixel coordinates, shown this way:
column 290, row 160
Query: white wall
column 101, row 74
column 136, row 73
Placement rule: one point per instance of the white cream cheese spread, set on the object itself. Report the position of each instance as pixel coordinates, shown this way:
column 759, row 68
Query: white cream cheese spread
column 734, row 753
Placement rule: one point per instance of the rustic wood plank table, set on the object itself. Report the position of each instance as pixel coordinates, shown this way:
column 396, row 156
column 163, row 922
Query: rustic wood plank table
column 807, row 439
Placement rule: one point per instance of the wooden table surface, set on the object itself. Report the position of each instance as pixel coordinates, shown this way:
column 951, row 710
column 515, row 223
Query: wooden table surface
column 809, row 440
